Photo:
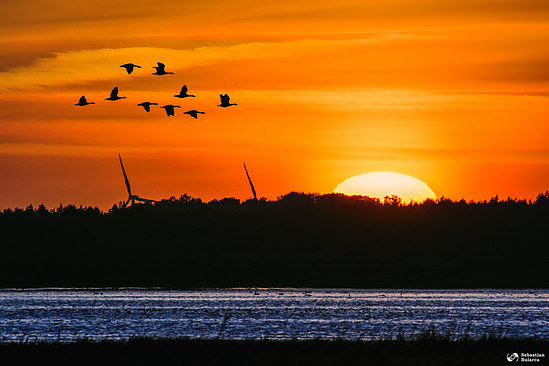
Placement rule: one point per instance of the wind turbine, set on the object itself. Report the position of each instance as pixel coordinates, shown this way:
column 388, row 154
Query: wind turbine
column 249, row 180
column 131, row 197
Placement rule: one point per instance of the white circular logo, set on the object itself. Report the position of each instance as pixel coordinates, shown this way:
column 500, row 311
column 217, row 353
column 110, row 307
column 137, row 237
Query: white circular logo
column 512, row 357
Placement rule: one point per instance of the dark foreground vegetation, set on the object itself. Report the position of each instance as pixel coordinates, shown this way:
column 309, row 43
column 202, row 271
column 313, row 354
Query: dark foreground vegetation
column 424, row 351
column 301, row 240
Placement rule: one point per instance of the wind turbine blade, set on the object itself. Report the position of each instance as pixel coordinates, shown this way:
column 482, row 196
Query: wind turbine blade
column 126, row 204
column 140, row 199
column 125, row 177
column 249, row 180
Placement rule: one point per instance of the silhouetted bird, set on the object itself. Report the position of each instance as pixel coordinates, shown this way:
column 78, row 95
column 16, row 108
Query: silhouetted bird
column 169, row 109
column 183, row 93
column 82, row 101
column 147, row 105
column 225, row 101
column 160, row 69
column 114, row 94
column 129, row 67
column 131, row 197
column 193, row 113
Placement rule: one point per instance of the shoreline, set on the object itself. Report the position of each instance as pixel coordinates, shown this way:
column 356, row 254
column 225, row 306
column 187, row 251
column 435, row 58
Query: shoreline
column 425, row 350
column 278, row 288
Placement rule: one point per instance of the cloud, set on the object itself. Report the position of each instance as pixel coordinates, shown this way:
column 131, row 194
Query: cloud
column 532, row 69
column 395, row 60
column 75, row 67
column 518, row 93
column 293, row 15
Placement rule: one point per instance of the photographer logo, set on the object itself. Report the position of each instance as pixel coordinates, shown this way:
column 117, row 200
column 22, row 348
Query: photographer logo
column 512, row 357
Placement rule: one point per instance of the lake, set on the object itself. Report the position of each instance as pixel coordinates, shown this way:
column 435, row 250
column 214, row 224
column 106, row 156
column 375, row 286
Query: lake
column 69, row 314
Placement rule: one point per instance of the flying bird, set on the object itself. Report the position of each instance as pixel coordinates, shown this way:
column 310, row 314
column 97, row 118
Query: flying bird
column 250, row 181
column 82, row 101
column 183, row 93
column 225, row 101
column 129, row 67
column 193, row 113
column 114, row 94
column 147, row 105
column 160, row 69
column 131, row 197
column 169, row 109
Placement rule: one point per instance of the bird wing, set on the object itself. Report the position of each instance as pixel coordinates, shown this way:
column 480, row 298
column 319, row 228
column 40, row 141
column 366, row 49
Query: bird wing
column 192, row 113
column 125, row 177
column 184, row 89
column 82, row 100
column 147, row 107
column 114, row 92
column 128, row 67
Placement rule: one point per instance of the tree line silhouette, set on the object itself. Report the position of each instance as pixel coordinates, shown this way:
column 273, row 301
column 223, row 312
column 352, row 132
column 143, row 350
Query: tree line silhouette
column 300, row 239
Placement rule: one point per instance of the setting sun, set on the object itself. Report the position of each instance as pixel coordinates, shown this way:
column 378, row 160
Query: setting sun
column 381, row 184
column 455, row 94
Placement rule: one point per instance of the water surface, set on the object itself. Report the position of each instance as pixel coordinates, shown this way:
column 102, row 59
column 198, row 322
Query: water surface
column 67, row 315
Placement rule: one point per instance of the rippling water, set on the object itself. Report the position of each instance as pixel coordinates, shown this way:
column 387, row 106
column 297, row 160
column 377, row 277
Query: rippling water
column 67, row 315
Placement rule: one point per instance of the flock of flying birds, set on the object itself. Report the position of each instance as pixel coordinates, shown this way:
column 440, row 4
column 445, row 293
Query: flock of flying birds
column 169, row 108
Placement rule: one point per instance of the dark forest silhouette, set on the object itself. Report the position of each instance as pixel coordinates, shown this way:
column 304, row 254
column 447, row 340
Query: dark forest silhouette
column 300, row 239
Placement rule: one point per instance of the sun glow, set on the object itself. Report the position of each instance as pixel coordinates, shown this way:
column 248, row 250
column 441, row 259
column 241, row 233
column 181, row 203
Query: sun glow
column 382, row 184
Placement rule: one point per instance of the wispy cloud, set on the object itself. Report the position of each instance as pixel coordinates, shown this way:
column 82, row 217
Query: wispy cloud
column 92, row 65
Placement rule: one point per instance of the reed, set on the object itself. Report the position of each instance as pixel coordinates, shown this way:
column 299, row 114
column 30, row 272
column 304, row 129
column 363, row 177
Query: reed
column 427, row 349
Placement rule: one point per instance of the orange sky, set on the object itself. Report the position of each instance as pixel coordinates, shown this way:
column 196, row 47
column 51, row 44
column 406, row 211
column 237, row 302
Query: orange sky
column 454, row 93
